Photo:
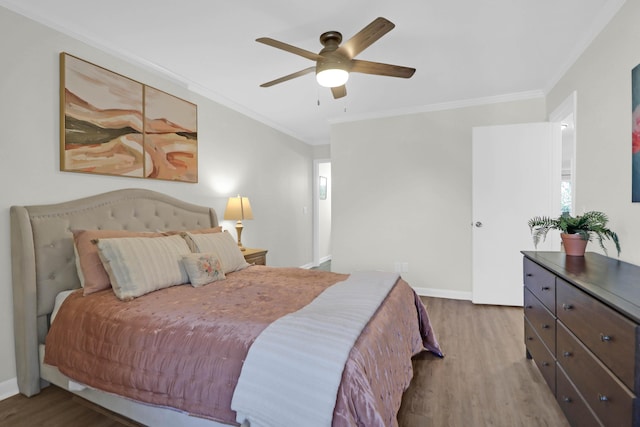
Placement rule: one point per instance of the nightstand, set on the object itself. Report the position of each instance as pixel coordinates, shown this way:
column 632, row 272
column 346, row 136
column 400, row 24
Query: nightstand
column 255, row 256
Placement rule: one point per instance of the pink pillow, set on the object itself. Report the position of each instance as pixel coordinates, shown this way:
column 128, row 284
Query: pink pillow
column 93, row 276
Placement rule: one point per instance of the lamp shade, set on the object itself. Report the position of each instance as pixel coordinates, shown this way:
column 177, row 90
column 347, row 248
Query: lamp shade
column 238, row 208
column 332, row 77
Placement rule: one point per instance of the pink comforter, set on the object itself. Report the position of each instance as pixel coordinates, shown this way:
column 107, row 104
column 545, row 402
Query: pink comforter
column 183, row 347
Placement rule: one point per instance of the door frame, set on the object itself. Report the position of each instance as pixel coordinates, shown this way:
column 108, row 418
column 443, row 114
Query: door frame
column 567, row 111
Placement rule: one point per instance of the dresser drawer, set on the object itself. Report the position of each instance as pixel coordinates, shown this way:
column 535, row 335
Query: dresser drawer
column 608, row 334
column 611, row 401
column 544, row 360
column 541, row 319
column 541, row 282
column 572, row 404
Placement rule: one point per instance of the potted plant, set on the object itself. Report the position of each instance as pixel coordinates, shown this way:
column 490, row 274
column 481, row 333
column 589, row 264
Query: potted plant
column 574, row 231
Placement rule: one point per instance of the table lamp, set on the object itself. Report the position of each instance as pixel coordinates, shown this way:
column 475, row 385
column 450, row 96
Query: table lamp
column 238, row 208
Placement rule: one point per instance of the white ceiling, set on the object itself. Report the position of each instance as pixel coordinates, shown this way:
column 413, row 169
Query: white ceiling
column 465, row 51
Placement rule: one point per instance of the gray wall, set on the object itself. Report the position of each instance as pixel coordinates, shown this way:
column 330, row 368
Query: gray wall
column 402, row 192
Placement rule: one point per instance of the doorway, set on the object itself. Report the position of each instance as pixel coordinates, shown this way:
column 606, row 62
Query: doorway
column 322, row 212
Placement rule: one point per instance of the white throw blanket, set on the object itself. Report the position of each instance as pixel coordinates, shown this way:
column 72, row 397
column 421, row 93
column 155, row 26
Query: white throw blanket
column 293, row 370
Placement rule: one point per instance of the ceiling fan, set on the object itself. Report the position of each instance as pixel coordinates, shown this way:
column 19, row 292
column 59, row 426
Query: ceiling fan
column 334, row 62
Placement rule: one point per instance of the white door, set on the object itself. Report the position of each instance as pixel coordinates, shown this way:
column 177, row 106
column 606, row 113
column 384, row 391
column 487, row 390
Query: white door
column 516, row 175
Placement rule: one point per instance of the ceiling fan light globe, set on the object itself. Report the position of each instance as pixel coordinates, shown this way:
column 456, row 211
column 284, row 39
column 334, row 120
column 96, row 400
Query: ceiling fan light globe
column 332, row 77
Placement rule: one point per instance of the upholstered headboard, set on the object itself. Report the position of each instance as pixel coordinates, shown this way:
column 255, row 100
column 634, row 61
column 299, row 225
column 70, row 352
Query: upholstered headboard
column 43, row 262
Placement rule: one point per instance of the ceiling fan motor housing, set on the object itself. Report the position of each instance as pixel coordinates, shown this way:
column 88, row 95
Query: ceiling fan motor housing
column 332, row 69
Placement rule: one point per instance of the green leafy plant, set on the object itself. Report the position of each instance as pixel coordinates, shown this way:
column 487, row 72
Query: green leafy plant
column 588, row 225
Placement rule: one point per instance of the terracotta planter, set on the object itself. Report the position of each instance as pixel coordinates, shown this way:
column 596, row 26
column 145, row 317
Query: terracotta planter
column 573, row 244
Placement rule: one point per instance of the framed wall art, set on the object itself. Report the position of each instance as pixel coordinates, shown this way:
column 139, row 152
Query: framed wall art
column 322, row 182
column 113, row 125
column 635, row 134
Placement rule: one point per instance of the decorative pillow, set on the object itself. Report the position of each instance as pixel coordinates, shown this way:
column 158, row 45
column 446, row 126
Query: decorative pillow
column 139, row 265
column 222, row 245
column 93, row 276
column 217, row 229
column 202, row 268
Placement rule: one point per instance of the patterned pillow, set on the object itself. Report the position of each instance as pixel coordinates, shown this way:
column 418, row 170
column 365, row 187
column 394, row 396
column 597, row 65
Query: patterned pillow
column 139, row 265
column 203, row 268
column 222, row 245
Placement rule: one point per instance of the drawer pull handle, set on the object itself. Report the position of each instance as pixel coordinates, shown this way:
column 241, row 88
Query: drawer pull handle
column 566, row 399
column 545, row 326
column 606, row 338
column 566, row 354
column 545, row 288
column 567, row 307
column 529, row 274
column 545, row 363
column 602, row 398
column 530, row 338
column 529, row 307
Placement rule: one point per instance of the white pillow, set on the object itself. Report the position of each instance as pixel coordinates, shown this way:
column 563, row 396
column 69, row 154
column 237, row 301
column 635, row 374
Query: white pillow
column 139, row 265
column 203, row 268
column 221, row 244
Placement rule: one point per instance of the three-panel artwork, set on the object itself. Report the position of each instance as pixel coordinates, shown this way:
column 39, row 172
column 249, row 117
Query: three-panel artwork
column 113, row 125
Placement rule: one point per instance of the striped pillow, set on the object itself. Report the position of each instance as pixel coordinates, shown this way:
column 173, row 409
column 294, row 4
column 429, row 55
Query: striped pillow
column 139, row 265
column 222, row 245
column 93, row 277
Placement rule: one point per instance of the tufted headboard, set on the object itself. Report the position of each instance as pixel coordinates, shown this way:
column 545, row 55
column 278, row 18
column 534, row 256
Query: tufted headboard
column 43, row 261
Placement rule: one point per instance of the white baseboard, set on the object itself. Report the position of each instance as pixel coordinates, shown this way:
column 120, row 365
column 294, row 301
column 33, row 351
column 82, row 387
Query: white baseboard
column 9, row 388
column 443, row 293
column 311, row 265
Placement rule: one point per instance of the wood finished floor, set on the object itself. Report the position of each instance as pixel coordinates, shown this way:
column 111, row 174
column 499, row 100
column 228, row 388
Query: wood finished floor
column 484, row 380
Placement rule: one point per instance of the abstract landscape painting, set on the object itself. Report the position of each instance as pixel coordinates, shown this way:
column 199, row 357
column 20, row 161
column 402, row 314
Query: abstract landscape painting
column 114, row 125
column 170, row 137
column 101, row 129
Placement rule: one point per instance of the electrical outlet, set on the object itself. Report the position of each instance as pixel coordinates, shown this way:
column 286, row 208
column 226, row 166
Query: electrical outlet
column 405, row 267
column 398, row 267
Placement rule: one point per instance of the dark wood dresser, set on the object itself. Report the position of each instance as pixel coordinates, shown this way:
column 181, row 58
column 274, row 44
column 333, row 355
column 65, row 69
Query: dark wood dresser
column 581, row 317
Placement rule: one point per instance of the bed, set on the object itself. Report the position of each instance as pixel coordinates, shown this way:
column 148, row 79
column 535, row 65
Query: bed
column 370, row 382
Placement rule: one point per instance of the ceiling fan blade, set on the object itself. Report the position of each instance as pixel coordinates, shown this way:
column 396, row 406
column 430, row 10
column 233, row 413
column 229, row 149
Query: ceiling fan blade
column 289, row 77
column 289, row 48
column 339, row 91
column 366, row 37
column 378, row 68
